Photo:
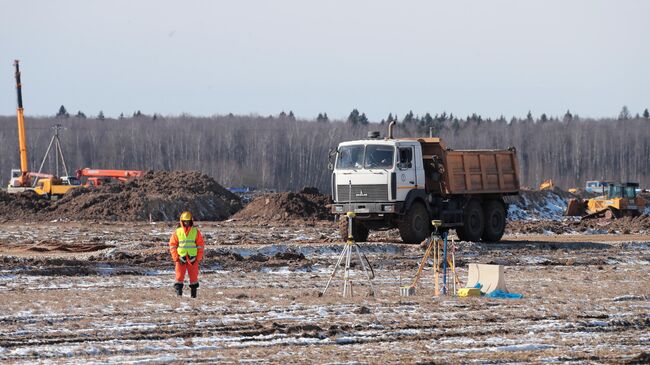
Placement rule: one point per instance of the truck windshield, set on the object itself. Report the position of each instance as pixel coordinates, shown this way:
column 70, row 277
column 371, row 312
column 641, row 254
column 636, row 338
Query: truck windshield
column 368, row 157
column 379, row 157
column 350, row 157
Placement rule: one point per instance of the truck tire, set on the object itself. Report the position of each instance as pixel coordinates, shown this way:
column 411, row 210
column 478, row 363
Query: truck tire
column 359, row 231
column 473, row 222
column 415, row 226
column 495, row 221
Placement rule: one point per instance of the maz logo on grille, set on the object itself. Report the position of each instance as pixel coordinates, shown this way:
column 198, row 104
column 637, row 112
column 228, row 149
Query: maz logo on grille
column 360, row 194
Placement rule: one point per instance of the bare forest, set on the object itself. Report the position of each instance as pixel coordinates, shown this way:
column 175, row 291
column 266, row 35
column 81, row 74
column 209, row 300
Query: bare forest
column 283, row 153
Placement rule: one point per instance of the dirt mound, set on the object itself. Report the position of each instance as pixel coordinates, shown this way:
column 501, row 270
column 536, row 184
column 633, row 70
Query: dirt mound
column 625, row 225
column 15, row 206
column 159, row 196
column 538, row 204
column 308, row 204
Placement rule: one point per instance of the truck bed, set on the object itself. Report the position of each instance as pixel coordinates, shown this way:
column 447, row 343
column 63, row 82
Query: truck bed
column 469, row 171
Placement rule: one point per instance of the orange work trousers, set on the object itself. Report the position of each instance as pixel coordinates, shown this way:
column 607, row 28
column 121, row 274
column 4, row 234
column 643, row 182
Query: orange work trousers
column 192, row 269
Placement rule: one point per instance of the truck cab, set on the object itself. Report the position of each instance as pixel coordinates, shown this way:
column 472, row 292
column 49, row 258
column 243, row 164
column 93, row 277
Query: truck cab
column 14, row 181
column 375, row 176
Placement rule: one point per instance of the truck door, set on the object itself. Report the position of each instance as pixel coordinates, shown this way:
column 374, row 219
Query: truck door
column 406, row 178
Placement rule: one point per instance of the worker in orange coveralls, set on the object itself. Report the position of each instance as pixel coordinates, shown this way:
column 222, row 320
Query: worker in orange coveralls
column 186, row 247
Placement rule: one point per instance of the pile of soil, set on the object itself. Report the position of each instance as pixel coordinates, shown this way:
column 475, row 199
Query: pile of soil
column 158, row 196
column 308, row 204
column 538, row 204
column 625, row 225
column 20, row 205
column 542, row 204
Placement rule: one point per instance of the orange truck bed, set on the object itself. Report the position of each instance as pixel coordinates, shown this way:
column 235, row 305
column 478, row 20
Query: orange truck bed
column 469, row 171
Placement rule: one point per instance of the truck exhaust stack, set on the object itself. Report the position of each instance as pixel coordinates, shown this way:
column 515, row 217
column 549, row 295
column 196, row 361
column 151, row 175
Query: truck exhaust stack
column 390, row 129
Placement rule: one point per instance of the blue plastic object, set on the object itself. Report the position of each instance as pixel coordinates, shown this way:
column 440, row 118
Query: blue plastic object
column 503, row 295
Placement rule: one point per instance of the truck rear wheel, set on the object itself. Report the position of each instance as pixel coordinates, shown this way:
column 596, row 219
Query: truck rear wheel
column 473, row 222
column 359, row 231
column 415, row 226
column 495, row 221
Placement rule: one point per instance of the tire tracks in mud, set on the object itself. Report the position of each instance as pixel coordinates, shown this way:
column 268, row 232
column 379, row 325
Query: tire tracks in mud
column 256, row 332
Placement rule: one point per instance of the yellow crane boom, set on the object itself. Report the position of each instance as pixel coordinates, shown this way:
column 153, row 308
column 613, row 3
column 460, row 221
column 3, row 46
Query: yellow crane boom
column 22, row 144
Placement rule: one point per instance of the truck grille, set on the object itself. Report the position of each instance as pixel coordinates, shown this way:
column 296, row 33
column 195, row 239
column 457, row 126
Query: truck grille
column 363, row 193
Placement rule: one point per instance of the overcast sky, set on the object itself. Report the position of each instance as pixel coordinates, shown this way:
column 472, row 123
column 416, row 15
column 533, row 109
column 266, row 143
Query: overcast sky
column 262, row 57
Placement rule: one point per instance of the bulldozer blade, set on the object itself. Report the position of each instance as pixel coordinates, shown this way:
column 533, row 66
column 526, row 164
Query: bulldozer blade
column 576, row 207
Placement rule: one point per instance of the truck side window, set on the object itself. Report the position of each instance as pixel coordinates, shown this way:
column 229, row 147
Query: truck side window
column 405, row 157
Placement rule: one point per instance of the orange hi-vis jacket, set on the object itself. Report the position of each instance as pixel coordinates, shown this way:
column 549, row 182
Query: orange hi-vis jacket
column 173, row 244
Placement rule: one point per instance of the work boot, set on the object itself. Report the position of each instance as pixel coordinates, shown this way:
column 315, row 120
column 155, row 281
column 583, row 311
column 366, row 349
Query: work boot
column 179, row 289
column 194, row 288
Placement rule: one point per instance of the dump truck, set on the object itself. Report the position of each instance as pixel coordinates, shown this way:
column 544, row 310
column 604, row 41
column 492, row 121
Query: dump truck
column 406, row 183
column 620, row 200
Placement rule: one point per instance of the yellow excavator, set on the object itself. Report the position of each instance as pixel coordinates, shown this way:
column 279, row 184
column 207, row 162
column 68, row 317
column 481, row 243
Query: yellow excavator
column 547, row 185
column 620, row 200
column 23, row 180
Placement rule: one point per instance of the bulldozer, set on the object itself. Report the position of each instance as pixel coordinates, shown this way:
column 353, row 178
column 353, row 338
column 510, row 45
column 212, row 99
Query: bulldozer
column 620, row 200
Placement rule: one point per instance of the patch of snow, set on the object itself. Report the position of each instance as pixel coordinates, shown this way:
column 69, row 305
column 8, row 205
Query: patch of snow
column 524, row 347
column 550, row 206
column 346, row 340
column 597, row 324
column 309, row 250
column 595, row 231
column 629, row 297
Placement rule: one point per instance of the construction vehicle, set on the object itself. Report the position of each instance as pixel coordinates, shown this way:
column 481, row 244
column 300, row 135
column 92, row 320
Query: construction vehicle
column 406, row 183
column 597, row 186
column 23, row 180
column 96, row 177
column 620, row 200
column 546, row 185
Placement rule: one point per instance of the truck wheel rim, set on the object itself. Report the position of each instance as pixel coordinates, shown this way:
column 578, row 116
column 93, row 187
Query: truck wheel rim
column 418, row 224
column 474, row 221
column 495, row 221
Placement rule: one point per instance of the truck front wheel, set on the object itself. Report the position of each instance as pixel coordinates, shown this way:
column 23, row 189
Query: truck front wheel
column 415, row 226
column 473, row 222
column 495, row 221
column 359, row 231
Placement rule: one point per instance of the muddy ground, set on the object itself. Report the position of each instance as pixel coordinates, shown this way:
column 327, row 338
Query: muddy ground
column 101, row 292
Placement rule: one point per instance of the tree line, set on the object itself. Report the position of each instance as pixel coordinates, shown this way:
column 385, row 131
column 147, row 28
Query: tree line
column 286, row 153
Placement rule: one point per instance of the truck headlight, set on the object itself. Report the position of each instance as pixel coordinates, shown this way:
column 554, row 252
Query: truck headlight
column 388, row 208
column 338, row 208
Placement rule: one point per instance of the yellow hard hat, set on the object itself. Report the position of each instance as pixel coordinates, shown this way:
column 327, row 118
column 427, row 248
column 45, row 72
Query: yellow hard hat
column 186, row 216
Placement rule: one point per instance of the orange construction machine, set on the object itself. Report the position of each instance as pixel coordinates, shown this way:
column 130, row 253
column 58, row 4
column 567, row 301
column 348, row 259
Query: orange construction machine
column 96, row 177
